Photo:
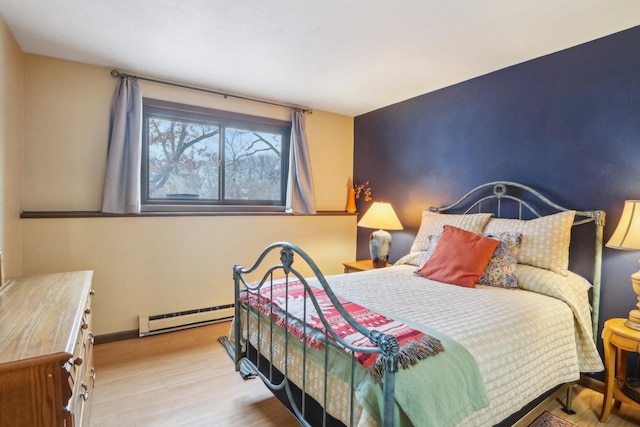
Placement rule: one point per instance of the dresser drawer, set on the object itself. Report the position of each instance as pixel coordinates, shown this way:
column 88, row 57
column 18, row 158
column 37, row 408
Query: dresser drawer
column 81, row 370
column 77, row 362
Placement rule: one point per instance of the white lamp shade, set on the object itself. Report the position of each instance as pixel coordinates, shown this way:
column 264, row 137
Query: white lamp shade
column 627, row 234
column 380, row 215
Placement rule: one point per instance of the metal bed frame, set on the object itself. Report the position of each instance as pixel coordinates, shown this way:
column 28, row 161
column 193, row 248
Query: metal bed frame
column 493, row 195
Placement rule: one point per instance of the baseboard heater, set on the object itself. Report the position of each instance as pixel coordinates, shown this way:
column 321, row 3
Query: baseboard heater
column 167, row 322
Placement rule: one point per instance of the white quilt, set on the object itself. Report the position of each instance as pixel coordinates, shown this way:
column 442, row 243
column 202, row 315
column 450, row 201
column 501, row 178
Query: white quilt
column 524, row 342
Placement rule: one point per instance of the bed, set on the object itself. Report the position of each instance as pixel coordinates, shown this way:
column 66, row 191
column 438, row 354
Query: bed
column 431, row 340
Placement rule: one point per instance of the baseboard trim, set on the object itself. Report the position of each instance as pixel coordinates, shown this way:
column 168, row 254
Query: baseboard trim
column 126, row 335
column 116, row 336
column 592, row 383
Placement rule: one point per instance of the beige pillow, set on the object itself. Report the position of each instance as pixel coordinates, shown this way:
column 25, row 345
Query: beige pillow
column 432, row 224
column 545, row 240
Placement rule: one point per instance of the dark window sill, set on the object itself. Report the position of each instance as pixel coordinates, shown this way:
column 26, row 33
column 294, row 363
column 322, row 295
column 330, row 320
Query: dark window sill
column 95, row 214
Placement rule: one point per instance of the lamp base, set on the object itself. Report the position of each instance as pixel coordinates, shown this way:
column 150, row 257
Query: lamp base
column 632, row 325
column 634, row 315
column 379, row 245
column 634, row 320
column 379, row 263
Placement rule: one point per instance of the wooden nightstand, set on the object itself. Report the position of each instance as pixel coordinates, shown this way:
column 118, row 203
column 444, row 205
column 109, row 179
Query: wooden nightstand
column 354, row 266
column 617, row 339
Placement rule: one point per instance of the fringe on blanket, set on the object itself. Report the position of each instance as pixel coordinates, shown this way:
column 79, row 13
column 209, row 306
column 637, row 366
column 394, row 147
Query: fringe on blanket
column 410, row 354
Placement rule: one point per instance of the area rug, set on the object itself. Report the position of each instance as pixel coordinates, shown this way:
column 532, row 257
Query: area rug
column 547, row 419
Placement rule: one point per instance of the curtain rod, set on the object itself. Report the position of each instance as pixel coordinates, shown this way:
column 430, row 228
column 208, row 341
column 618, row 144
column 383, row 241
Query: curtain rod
column 117, row 74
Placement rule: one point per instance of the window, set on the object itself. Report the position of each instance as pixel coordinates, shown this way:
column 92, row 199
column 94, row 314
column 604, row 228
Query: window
column 198, row 159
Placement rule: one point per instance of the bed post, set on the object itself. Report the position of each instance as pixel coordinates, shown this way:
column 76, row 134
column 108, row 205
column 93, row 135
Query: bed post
column 597, row 272
column 237, row 274
column 599, row 220
column 390, row 350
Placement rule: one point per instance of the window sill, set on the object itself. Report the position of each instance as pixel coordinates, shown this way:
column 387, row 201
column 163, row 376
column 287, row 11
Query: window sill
column 96, row 214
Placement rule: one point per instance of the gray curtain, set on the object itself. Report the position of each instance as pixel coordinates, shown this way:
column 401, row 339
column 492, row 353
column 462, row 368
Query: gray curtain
column 300, row 195
column 122, row 181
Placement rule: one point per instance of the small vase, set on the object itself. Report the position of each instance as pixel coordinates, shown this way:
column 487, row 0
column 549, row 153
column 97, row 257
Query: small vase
column 351, row 198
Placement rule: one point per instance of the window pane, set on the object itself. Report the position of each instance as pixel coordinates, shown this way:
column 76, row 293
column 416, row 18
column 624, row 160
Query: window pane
column 252, row 165
column 183, row 159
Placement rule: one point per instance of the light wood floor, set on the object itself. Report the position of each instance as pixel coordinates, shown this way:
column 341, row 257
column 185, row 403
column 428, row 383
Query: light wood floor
column 185, row 378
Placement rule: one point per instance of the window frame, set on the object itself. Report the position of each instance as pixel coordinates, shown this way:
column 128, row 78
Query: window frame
column 224, row 119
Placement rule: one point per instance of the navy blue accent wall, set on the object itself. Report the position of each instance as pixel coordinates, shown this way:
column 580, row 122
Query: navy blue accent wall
column 567, row 124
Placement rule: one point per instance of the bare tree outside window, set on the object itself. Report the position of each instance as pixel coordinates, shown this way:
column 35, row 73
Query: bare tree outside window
column 252, row 161
column 183, row 159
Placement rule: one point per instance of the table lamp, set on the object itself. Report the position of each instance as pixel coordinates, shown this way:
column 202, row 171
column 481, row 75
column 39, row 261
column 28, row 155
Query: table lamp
column 627, row 236
column 380, row 215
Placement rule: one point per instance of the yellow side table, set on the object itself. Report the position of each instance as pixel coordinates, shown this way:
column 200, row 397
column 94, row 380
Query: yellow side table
column 617, row 339
column 363, row 265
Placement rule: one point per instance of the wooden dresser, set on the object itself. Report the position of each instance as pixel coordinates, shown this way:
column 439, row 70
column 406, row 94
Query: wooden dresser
column 46, row 349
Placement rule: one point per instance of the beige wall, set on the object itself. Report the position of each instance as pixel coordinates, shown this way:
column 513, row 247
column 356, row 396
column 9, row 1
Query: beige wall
column 67, row 108
column 11, row 136
column 157, row 265
column 154, row 265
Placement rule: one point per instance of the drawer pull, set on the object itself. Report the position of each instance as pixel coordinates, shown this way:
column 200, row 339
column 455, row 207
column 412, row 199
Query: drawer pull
column 87, row 311
column 85, row 393
column 92, row 375
column 84, row 325
column 92, row 292
column 91, row 338
column 77, row 361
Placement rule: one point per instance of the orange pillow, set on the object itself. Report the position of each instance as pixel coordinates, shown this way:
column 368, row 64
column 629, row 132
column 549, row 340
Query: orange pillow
column 460, row 257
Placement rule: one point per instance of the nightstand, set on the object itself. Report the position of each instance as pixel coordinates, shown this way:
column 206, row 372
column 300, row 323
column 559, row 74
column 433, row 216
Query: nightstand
column 354, row 266
column 617, row 339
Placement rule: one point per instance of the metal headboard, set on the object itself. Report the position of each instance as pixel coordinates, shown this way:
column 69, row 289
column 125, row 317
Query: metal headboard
column 524, row 197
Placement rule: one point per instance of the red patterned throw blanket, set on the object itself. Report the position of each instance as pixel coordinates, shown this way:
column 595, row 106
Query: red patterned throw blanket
column 274, row 301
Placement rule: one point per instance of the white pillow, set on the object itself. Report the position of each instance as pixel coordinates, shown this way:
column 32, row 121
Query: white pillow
column 538, row 279
column 414, row 258
column 545, row 240
column 432, row 224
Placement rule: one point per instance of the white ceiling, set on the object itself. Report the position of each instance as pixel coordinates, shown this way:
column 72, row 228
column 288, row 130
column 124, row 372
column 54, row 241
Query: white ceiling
column 343, row 56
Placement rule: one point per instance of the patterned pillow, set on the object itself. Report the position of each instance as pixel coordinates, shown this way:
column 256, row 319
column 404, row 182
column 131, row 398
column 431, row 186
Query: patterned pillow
column 432, row 224
column 501, row 271
column 545, row 240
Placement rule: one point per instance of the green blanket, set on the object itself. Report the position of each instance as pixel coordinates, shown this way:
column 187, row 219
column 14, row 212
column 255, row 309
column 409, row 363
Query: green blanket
column 439, row 391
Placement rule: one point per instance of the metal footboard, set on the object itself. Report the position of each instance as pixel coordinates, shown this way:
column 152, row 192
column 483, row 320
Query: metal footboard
column 250, row 322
